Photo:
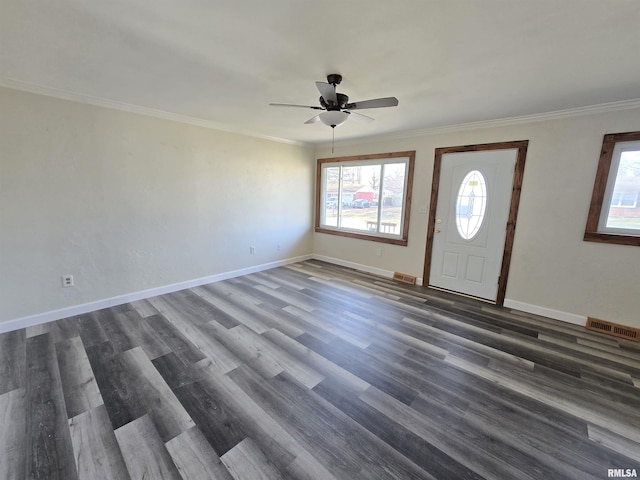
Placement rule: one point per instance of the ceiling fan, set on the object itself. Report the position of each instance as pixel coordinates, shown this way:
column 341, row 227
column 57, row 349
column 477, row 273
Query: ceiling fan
column 336, row 107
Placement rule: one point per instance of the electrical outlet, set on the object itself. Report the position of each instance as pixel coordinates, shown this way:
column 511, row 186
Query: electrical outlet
column 67, row 281
column 378, row 252
column 279, row 247
column 252, row 250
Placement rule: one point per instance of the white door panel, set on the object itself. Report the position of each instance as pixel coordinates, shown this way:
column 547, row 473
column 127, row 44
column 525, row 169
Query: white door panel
column 471, row 220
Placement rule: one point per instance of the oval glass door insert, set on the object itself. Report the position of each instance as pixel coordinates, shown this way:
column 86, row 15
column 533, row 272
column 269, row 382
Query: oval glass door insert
column 471, row 204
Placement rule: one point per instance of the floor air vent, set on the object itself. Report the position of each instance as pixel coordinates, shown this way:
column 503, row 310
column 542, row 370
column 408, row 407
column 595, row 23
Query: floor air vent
column 614, row 329
column 404, row 278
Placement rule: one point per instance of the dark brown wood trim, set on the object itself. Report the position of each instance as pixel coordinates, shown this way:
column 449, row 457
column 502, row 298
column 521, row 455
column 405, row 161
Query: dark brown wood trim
column 433, row 203
column 409, row 194
column 481, row 147
column 403, row 240
column 518, row 176
column 371, row 156
column 362, row 236
column 591, row 233
column 611, row 238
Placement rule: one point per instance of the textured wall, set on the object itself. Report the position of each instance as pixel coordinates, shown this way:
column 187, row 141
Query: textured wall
column 127, row 203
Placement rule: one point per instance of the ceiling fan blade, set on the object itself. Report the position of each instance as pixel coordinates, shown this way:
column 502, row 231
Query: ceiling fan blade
column 292, row 105
column 315, row 119
column 375, row 103
column 361, row 118
column 328, row 92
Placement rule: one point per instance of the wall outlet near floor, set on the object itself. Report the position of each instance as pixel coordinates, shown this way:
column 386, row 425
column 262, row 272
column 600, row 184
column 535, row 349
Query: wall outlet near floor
column 378, row 252
column 67, row 281
column 252, row 250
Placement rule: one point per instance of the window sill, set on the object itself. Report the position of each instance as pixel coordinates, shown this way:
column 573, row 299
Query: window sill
column 612, row 238
column 363, row 236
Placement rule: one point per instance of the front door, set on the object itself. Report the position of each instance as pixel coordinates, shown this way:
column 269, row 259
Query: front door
column 471, row 219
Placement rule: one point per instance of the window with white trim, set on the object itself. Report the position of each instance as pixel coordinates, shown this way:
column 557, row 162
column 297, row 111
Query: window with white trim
column 365, row 196
column 614, row 216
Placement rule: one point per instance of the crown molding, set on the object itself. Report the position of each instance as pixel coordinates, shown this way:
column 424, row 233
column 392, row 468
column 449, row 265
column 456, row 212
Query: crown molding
column 151, row 112
column 129, row 108
column 500, row 122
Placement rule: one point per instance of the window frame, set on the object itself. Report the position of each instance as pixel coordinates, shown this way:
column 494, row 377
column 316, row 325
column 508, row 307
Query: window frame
column 399, row 239
column 602, row 194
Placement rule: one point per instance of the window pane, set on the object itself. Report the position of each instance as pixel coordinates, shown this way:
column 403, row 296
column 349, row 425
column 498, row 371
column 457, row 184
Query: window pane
column 624, row 211
column 360, row 193
column 392, row 198
column 471, row 204
column 616, row 199
column 331, row 191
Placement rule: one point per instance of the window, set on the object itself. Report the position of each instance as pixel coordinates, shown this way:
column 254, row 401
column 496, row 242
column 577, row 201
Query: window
column 471, row 204
column 365, row 196
column 614, row 215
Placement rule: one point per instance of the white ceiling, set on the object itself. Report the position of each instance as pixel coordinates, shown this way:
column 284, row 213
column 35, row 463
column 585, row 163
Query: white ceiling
column 221, row 62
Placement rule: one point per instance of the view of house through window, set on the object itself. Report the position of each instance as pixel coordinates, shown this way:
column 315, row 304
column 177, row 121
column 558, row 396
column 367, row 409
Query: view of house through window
column 366, row 196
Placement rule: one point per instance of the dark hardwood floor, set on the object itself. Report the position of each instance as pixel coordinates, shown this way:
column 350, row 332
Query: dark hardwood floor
column 314, row 371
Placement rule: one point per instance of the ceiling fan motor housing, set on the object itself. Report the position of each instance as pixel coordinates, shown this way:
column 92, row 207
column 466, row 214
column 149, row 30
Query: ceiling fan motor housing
column 343, row 100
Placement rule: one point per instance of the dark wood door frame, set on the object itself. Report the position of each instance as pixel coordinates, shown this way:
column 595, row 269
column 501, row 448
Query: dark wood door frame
column 521, row 145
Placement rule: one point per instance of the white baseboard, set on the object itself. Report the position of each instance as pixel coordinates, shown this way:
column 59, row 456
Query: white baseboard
column 53, row 315
column 547, row 312
column 359, row 266
column 514, row 304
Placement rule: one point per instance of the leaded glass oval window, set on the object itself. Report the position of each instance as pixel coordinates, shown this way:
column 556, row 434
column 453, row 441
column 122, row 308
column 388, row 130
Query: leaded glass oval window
column 471, row 204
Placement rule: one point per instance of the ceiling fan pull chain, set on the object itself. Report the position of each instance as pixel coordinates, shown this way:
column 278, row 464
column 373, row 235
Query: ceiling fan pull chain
column 333, row 137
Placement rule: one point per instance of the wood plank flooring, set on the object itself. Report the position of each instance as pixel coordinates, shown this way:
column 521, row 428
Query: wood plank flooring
column 314, row 371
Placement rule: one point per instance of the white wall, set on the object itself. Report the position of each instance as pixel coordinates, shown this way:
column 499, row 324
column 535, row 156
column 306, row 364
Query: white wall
column 127, row 203
column 553, row 271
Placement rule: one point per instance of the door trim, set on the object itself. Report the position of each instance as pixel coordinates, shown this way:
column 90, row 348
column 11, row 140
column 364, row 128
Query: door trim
column 521, row 146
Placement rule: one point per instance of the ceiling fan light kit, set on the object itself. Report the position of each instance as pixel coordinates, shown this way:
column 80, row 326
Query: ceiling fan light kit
column 333, row 118
column 336, row 106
